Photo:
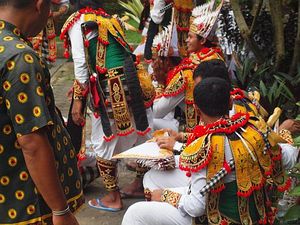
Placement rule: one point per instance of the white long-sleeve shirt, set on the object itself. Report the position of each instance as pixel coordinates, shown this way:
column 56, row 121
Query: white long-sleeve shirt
column 77, row 49
column 155, row 13
column 164, row 105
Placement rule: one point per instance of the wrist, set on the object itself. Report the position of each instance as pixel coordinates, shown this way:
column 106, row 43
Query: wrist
column 66, row 210
column 170, row 197
column 79, row 90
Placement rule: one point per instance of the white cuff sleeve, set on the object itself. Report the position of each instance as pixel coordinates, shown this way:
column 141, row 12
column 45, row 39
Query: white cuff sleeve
column 178, row 146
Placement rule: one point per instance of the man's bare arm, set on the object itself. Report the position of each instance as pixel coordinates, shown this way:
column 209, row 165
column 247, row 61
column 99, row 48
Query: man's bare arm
column 40, row 162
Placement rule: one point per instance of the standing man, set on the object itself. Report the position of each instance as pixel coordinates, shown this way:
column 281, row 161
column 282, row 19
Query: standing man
column 39, row 180
column 120, row 94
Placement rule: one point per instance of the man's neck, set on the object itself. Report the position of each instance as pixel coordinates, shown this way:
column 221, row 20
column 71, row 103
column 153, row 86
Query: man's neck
column 208, row 119
column 15, row 17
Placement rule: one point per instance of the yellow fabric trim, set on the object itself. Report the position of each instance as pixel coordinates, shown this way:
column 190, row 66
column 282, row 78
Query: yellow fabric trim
column 255, row 139
column 194, row 147
column 41, row 218
column 69, row 20
column 239, row 108
column 243, row 168
column 89, row 17
column 116, row 23
column 188, row 76
column 261, row 125
column 218, row 155
column 175, row 84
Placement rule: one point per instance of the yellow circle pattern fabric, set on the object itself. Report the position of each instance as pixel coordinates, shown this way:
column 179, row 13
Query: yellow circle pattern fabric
column 27, row 105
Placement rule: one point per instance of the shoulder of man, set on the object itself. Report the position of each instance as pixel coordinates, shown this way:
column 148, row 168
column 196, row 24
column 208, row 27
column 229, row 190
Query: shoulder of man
column 12, row 49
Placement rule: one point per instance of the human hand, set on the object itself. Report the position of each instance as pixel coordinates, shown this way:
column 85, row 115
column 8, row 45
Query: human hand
column 68, row 219
column 291, row 125
column 172, row 133
column 166, row 142
column 77, row 115
column 156, row 195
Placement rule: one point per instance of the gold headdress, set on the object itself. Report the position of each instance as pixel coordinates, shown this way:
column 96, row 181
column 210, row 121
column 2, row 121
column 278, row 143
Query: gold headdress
column 204, row 18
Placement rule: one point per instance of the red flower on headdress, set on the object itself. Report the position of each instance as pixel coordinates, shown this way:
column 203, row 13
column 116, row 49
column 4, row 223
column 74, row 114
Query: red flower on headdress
column 158, row 47
column 201, row 26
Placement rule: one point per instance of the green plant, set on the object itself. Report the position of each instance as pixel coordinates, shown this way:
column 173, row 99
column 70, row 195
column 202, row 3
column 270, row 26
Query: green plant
column 276, row 88
column 292, row 214
column 133, row 37
column 134, row 9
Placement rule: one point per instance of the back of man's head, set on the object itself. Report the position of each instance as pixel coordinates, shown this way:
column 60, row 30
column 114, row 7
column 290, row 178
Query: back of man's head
column 19, row 4
column 212, row 68
column 94, row 4
column 212, row 96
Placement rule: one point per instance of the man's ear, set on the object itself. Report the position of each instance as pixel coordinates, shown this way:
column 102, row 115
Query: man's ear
column 38, row 5
column 203, row 40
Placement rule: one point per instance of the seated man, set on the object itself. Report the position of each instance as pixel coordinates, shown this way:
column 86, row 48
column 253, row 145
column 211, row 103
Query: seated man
column 228, row 158
column 202, row 46
column 154, row 179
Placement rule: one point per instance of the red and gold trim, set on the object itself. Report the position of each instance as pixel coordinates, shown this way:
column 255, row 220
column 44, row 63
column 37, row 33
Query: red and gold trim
column 80, row 91
column 119, row 106
column 170, row 197
column 148, row 91
column 108, row 172
column 196, row 156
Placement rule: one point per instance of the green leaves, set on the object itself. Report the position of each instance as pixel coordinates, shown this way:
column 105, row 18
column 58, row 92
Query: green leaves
column 292, row 214
column 295, row 192
column 275, row 87
column 134, row 9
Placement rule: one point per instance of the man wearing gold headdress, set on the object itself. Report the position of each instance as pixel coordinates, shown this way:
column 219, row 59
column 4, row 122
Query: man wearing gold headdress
column 202, row 46
column 120, row 93
column 227, row 158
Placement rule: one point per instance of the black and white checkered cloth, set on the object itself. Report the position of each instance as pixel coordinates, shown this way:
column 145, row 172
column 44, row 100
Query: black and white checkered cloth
column 45, row 49
column 215, row 179
column 89, row 174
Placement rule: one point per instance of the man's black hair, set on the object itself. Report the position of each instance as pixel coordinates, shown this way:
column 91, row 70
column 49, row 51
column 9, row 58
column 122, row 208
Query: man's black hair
column 94, row 4
column 212, row 96
column 20, row 4
column 212, row 68
column 208, row 43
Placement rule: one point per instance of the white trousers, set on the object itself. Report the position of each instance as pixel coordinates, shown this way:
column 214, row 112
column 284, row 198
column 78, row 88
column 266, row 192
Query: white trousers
column 154, row 213
column 155, row 179
column 107, row 150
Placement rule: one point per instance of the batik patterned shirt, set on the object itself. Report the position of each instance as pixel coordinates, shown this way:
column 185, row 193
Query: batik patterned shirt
column 26, row 105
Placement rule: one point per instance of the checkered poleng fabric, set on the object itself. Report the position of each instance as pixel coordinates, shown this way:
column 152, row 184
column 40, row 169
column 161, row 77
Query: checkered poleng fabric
column 215, row 179
column 45, row 50
column 88, row 175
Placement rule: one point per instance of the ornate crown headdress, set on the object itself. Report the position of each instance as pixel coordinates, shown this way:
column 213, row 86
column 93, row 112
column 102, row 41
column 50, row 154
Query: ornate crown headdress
column 163, row 42
column 203, row 19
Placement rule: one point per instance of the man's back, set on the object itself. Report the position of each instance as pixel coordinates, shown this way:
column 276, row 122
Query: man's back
column 27, row 105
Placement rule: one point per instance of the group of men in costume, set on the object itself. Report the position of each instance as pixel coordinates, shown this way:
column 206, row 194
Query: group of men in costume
column 227, row 150
column 225, row 158
column 39, row 179
column 229, row 156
